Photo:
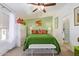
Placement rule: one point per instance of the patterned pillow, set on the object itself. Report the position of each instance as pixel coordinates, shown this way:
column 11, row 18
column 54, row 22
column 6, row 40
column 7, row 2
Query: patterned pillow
column 39, row 32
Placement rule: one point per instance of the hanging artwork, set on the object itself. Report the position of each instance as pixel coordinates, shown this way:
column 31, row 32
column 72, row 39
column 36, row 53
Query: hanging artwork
column 38, row 23
column 76, row 16
column 56, row 22
column 21, row 21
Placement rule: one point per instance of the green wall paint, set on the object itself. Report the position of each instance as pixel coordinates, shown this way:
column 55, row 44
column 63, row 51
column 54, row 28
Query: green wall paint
column 46, row 24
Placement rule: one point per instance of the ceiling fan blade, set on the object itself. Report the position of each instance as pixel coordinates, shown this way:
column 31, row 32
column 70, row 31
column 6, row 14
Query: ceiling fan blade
column 35, row 9
column 50, row 4
column 44, row 10
column 34, row 3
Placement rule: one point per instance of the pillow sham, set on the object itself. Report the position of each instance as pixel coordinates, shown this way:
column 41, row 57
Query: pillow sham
column 39, row 32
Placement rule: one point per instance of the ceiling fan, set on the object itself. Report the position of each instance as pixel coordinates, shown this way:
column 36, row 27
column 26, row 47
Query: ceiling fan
column 42, row 6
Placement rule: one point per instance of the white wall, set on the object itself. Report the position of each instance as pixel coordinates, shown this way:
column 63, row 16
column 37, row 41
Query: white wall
column 4, row 23
column 21, row 33
column 68, row 12
column 8, row 21
column 12, row 29
column 57, row 32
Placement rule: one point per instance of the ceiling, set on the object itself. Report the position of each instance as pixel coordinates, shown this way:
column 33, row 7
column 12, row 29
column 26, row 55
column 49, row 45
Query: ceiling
column 25, row 10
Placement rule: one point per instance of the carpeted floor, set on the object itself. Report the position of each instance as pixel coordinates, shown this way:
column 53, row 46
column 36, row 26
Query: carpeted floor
column 19, row 51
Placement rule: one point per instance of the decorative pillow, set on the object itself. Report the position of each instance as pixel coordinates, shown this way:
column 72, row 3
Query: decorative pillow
column 44, row 31
column 39, row 31
column 34, row 31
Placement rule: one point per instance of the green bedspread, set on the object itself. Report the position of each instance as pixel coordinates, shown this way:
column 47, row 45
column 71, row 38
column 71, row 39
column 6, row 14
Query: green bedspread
column 41, row 39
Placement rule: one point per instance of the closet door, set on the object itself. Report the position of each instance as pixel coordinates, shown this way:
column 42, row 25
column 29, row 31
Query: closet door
column 4, row 26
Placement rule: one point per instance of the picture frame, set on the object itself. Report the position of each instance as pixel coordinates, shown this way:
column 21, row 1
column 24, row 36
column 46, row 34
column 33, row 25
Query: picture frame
column 76, row 16
column 56, row 22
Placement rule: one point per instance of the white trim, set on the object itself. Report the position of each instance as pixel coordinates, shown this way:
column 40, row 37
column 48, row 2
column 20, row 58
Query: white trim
column 4, row 8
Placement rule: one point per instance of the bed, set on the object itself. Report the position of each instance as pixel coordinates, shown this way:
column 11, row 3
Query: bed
column 41, row 39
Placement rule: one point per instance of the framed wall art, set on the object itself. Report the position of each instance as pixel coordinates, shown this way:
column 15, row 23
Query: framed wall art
column 76, row 16
column 56, row 22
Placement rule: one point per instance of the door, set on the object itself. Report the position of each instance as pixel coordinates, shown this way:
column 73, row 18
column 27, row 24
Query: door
column 66, row 30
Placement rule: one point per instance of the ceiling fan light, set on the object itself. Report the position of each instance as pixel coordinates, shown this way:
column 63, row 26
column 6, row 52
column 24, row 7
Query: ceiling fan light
column 41, row 7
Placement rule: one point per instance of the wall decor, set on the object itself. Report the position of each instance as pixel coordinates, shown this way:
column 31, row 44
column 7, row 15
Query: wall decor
column 76, row 16
column 21, row 21
column 38, row 23
column 56, row 22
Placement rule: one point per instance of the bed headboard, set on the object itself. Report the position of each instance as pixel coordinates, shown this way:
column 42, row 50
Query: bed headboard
column 40, row 25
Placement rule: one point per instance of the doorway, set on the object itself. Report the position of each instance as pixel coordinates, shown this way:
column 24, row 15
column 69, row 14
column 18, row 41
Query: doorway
column 66, row 35
column 66, row 31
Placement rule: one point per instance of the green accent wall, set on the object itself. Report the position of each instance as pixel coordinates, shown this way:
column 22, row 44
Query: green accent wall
column 46, row 24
